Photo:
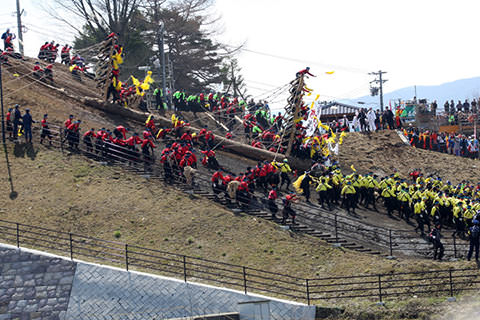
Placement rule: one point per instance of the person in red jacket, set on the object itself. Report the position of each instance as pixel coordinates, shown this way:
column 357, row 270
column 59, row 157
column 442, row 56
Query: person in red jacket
column 209, row 139
column 187, row 136
column 9, row 123
column 73, row 136
column 45, row 130
column 217, row 182
column 304, row 72
column 37, row 71
column 189, row 159
column 272, row 206
column 120, row 132
column 87, row 139
column 65, row 54
column 167, row 166
column 69, row 121
column 151, row 125
column 133, row 141
column 287, row 207
column 147, row 144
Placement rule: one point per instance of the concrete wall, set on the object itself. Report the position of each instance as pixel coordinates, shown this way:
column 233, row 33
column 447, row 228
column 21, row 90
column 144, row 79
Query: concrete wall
column 34, row 286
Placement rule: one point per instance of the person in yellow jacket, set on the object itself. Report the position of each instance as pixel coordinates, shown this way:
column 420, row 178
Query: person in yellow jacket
column 371, row 185
column 419, row 210
column 388, row 196
column 458, row 220
column 349, row 193
column 323, row 192
column 357, row 184
column 284, row 171
column 435, row 213
column 403, row 204
column 468, row 215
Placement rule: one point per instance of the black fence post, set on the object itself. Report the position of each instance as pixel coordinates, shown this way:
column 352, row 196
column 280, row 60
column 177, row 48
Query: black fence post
column 380, row 287
column 451, row 282
column 244, row 279
column 454, row 246
column 185, row 268
column 126, row 256
column 308, row 291
column 18, row 235
column 390, row 241
column 71, row 246
column 336, row 228
column 61, row 138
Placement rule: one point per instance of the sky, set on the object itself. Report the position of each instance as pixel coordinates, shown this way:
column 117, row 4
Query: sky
column 416, row 42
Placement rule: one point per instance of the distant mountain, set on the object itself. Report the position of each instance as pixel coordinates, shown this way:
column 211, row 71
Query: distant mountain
column 456, row 90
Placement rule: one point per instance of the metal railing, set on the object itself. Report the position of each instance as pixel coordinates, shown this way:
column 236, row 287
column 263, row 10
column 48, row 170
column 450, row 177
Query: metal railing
column 246, row 279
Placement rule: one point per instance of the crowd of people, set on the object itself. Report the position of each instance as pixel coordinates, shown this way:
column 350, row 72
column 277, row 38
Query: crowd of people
column 451, row 143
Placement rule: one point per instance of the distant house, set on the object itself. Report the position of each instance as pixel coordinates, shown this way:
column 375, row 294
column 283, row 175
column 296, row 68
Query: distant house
column 336, row 110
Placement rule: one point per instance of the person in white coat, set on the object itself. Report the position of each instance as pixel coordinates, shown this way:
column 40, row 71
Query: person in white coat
column 356, row 122
column 371, row 120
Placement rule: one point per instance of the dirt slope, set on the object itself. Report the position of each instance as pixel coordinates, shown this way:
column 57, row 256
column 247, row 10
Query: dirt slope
column 383, row 152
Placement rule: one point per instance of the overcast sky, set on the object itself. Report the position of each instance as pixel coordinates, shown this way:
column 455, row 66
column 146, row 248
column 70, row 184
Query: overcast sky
column 417, row 42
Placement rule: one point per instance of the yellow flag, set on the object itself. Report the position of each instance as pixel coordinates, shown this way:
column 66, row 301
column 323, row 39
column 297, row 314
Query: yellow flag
column 353, row 168
column 297, row 183
column 16, row 75
column 311, row 106
column 297, row 120
column 343, row 134
column 330, row 72
column 308, row 89
column 316, row 98
column 324, row 126
column 135, row 81
column 148, row 119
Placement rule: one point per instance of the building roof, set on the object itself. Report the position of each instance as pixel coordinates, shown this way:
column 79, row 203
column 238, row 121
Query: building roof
column 336, row 108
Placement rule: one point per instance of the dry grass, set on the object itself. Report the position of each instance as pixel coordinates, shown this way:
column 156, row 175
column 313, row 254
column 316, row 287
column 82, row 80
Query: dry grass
column 383, row 152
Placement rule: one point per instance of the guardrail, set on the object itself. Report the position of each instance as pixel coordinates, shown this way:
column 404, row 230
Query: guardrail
column 246, row 279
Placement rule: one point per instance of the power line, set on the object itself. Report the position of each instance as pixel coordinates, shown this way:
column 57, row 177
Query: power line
column 349, row 69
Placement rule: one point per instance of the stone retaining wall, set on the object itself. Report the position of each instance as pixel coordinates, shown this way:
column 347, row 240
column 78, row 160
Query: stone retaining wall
column 34, row 286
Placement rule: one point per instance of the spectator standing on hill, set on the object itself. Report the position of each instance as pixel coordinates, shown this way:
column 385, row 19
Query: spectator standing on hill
column 433, row 107
column 7, row 37
column 466, row 106
column 474, row 233
column 446, row 108
column 438, row 248
column 17, row 120
column 45, row 130
column 474, row 106
column 27, row 125
column 459, row 106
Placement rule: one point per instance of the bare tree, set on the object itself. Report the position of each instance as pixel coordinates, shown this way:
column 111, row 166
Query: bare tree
column 102, row 15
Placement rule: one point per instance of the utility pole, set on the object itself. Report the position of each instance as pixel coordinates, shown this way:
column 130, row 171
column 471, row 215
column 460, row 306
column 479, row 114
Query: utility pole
column 172, row 81
column 19, row 25
column 161, row 48
column 380, row 82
